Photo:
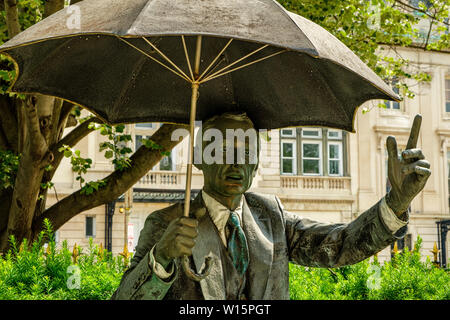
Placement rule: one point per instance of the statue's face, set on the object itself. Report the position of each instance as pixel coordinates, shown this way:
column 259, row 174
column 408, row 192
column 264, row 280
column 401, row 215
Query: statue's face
column 228, row 180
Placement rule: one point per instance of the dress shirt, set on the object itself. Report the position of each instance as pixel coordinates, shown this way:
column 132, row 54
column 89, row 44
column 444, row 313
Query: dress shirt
column 220, row 214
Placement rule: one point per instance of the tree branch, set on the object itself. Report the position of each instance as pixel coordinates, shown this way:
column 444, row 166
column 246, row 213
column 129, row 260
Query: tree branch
column 118, row 182
column 71, row 139
column 433, row 17
column 12, row 18
column 38, row 145
column 66, row 109
column 428, row 36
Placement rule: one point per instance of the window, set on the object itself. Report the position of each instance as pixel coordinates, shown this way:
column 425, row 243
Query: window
column 334, row 134
column 90, row 227
column 289, row 133
column 393, row 105
column 149, row 125
column 320, row 151
column 311, row 133
column 447, row 94
column 288, row 157
column 335, row 158
column 312, row 157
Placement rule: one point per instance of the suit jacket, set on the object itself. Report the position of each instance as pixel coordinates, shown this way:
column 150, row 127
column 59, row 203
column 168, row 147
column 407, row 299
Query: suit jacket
column 275, row 237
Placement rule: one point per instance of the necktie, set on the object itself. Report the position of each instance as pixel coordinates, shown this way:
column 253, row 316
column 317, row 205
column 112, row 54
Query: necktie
column 237, row 244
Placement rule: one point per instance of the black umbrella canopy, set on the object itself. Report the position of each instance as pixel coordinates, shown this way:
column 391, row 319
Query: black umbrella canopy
column 109, row 64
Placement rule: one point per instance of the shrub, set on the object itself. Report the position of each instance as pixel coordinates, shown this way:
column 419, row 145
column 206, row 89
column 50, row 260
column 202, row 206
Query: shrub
column 43, row 272
column 405, row 277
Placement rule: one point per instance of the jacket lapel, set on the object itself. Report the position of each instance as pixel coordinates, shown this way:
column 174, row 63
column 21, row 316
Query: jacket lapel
column 207, row 244
column 258, row 230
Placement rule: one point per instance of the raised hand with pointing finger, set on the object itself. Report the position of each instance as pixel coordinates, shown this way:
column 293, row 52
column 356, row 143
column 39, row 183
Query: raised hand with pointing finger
column 407, row 173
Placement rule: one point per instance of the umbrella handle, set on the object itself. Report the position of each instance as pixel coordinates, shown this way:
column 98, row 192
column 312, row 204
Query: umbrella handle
column 192, row 274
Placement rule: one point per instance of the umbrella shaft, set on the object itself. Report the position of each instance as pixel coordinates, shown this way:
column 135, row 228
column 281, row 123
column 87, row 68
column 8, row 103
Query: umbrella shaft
column 195, row 85
column 187, row 198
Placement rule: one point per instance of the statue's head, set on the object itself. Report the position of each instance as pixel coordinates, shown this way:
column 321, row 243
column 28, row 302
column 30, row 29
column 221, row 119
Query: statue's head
column 227, row 152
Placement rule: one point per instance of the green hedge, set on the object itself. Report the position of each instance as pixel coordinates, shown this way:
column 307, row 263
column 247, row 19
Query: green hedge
column 39, row 272
column 405, row 277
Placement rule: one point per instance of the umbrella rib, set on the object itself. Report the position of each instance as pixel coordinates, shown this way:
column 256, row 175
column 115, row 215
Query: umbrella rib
column 154, row 59
column 235, row 62
column 216, row 75
column 212, row 70
column 215, row 59
column 187, row 58
column 165, row 57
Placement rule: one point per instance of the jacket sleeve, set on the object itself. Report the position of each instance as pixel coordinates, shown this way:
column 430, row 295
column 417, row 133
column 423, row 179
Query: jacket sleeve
column 315, row 244
column 139, row 282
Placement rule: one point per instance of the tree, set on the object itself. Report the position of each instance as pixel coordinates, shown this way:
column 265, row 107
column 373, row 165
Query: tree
column 375, row 29
column 32, row 143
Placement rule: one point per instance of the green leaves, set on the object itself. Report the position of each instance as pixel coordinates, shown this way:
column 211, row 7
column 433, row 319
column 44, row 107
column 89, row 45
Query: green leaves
column 404, row 277
column 116, row 147
column 374, row 29
column 92, row 186
column 39, row 271
column 9, row 164
column 79, row 164
column 150, row 144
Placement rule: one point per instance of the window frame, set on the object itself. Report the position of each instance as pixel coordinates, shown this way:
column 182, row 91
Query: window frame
column 339, row 137
column 293, row 135
column 389, row 103
column 139, row 126
column 340, row 159
column 447, row 90
column 93, row 226
column 319, row 130
column 293, row 158
column 322, row 139
column 303, row 158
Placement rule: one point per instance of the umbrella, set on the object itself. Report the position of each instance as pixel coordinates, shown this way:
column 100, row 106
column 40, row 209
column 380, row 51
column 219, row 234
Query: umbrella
column 148, row 60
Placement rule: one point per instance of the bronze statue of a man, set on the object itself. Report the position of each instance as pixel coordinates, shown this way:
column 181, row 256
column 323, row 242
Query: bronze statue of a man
column 251, row 238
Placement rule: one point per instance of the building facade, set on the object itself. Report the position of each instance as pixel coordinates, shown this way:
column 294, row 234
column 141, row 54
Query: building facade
column 324, row 174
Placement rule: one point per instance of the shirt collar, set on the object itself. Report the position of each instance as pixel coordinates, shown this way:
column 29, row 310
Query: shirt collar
column 218, row 212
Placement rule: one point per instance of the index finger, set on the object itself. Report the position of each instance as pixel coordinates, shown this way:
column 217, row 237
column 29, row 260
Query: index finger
column 190, row 222
column 415, row 130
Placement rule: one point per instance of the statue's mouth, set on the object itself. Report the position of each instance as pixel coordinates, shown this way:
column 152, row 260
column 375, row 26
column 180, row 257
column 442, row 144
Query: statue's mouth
column 236, row 177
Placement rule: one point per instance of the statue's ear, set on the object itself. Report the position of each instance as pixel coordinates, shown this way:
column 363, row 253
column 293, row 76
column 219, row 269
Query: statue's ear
column 256, row 169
